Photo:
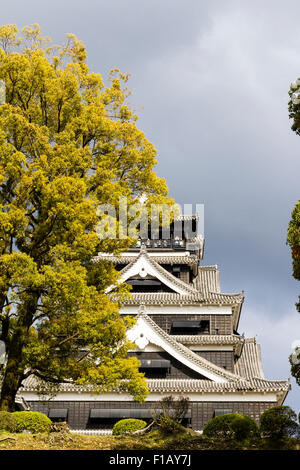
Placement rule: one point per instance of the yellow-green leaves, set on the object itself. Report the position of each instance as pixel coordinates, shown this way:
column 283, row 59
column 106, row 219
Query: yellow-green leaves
column 21, row 272
column 68, row 143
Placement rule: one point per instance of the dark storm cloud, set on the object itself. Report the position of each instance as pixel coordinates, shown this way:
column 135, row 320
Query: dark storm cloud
column 210, row 80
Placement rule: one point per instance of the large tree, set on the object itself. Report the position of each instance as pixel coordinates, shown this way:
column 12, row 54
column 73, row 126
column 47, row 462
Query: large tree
column 293, row 236
column 67, row 144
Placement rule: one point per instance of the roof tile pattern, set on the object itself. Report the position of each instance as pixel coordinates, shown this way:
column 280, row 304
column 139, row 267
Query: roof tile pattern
column 189, row 385
column 249, row 363
column 208, row 279
column 209, row 339
column 187, row 260
column 205, row 290
column 188, row 288
column 181, row 385
column 191, row 357
column 166, row 298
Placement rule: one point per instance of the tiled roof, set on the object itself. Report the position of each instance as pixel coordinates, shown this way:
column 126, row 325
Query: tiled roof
column 187, row 260
column 205, row 289
column 237, row 341
column 248, row 374
column 188, row 288
column 181, row 385
column 209, row 339
column 31, row 384
column 186, row 353
column 189, row 385
column 208, row 279
column 249, row 363
column 166, row 298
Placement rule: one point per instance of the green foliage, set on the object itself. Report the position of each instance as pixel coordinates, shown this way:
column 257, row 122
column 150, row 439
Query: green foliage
column 244, row 427
column 32, row 421
column 8, row 421
column 168, row 425
column 293, row 235
column 231, row 426
column 279, row 422
column 219, row 426
column 68, row 143
column 293, row 239
column 189, row 441
column 128, row 426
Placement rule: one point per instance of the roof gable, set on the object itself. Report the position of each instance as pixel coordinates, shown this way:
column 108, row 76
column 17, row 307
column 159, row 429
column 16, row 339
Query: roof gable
column 143, row 265
column 147, row 331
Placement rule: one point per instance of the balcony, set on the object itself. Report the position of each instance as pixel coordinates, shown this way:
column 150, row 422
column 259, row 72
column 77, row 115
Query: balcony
column 164, row 244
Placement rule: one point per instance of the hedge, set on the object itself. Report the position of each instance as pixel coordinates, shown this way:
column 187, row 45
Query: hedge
column 8, row 421
column 279, row 422
column 231, row 426
column 128, row 425
column 32, row 421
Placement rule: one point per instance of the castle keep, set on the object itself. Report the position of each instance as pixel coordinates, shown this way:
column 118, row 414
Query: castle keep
column 187, row 342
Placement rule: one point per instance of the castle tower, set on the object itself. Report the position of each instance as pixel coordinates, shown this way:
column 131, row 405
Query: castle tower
column 187, row 342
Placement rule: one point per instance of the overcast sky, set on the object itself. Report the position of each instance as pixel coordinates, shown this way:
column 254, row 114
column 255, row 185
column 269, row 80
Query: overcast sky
column 210, row 82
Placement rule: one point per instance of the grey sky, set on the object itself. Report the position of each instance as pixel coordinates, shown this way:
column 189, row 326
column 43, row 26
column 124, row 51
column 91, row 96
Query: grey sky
column 210, row 82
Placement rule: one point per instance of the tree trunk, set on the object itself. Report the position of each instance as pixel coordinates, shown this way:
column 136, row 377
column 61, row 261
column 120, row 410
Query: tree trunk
column 15, row 366
column 14, row 370
column 10, row 386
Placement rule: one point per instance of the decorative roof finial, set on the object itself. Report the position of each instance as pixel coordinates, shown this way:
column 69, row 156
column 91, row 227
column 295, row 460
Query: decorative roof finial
column 143, row 248
column 142, row 309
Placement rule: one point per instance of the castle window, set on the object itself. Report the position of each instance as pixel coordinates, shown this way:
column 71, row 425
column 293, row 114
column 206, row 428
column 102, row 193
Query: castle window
column 176, row 271
column 119, row 413
column 222, row 411
column 190, row 327
column 155, row 364
column 58, row 415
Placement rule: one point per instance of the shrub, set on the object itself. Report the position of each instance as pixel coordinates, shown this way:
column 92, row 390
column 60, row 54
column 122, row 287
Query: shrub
column 168, row 425
column 244, row 427
column 278, row 422
column 128, row 425
column 231, row 426
column 58, row 427
column 171, row 413
column 219, row 426
column 175, row 409
column 8, row 421
column 32, row 421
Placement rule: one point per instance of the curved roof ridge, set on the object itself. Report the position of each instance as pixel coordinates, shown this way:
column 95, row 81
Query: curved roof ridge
column 190, row 298
column 174, row 280
column 249, row 364
column 170, row 276
column 209, row 267
column 159, row 258
column 227, row 293
column 195, row 385
column 207, row 279
column 188, row 354
column 179, row 385
column 209, row 339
